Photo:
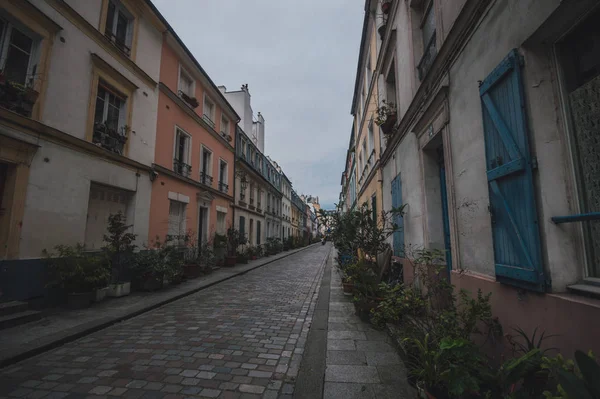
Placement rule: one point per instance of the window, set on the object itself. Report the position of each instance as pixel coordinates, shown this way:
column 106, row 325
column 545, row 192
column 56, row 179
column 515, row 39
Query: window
column 181, row 160
column 186, row 83
column 371, row 139
column 242, row 227
column 119, row 26
column 251, row 193
column 206, row 166
column 365, row 154
column 224, row 126
column 223, row 186
column 374, row 208
column 221, row 222
column 258, row 232
column 369, row 69
column 17, row 53
column 176, row 230
column 209, row 111
column 259, row 199
column 110, row 131
column 428, row 32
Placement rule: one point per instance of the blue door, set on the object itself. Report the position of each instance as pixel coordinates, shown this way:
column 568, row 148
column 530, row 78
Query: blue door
column 509, row 164
column 398, row 220
column 445, row 216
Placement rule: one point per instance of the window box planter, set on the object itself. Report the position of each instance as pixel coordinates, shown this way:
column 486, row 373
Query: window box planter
column 191, row 101
column 381, row 31
column 387, row 127
column 100, row 294
column 80, row 300
column 17, row 98
column 119, row 290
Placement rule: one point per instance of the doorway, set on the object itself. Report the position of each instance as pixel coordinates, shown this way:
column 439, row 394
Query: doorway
column 445, row 216
column 202, row 224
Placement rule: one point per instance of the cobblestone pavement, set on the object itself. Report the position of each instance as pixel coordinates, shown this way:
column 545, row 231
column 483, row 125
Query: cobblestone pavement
column 242, row 338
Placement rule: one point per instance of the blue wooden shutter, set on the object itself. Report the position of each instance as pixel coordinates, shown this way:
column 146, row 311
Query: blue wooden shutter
column 399, row 220
column 510, row 179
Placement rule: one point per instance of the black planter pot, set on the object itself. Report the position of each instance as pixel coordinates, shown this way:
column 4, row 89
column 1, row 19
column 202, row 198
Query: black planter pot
column 381, row 31
column 80, row 300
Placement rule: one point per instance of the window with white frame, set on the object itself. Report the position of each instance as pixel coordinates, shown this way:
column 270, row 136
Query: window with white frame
column 224, row 125
column 119, row 26
column 223, row 180
column 186, row 82
column 18, row 52
column 181, row 160
column 110, row 118
column 209, row 111
column 206, row 166
column 176, row 229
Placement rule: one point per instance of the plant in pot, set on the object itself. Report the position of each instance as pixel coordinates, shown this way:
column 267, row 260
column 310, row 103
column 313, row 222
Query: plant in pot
column 206, row 258
column 220, row 248
column 386, row 6
column 234, row 239
column 387, row 116
column 78, row 273
column 190, row 254
column 149, row 269
column 119, row 249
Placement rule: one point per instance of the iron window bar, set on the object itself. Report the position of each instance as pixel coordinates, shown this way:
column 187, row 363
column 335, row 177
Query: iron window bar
column 181, row 168
column 205, row 178
column 223, row 187
column 582, row 217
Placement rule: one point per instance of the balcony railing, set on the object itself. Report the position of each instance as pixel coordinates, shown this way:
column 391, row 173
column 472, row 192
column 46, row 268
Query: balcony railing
column 110, row 139
column 223, row 187
column 191, row 101
column 206, row 179
column 181, row 168
column 428, row 57
column 17, row 98
column 207, row 119
column 251, row 200
column 118, row 43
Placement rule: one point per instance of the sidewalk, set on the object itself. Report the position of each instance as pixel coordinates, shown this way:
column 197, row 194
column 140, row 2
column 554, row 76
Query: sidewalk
column 59, row 326
column 361, row 361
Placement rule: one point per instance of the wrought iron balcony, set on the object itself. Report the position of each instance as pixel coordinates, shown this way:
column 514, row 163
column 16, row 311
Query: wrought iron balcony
column 16, row 97
column 428, row 57
column 206, row 179
column 110, row 139
column 118, row 43
column 191, row 101
column 223, row 187
column 181, row 168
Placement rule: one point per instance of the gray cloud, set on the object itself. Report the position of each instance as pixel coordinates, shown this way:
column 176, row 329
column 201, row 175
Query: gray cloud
column 299, row 59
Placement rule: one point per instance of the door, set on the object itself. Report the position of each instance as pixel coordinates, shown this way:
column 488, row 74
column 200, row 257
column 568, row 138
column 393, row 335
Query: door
column 102, row 203
column 398, row 236
column 445, row 215
column 201, row 226
column 509, row 165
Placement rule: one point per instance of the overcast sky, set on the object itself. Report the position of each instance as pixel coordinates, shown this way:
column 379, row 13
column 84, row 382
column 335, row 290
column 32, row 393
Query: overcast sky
column 299, row 61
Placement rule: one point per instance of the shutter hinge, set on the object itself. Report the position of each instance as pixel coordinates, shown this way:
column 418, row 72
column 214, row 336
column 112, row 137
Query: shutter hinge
column 534, row 163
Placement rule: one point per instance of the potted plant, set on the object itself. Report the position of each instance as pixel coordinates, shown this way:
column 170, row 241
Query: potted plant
column 386, row 6
column 387, row 116
column 234, row 239
column 220, row 247
column 150, row 268
column 78, row 273
column 119, row 249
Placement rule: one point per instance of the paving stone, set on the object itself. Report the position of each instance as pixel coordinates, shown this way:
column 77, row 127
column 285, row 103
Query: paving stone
column 346, row 335
column 336, row 390
column 374, row 346
column 382, row 358
column 100, row 390
column 210, row 393
column 351, row 373
column 346, row 358
column 340, row 345
column 251, row 389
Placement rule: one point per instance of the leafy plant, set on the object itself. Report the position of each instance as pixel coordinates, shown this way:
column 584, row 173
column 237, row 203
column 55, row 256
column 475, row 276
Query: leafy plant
column 384, row 111
column 75, row 270
column 119, row 244
column 581, row 382
column 528, row 343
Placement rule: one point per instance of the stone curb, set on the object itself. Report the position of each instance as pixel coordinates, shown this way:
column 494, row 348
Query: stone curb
column 58, row 339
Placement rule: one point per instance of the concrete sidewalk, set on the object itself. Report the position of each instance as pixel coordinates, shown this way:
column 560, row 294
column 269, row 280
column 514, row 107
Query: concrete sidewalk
column 60, row 326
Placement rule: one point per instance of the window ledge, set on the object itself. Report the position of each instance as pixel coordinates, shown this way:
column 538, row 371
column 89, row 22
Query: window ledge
column 584, row 288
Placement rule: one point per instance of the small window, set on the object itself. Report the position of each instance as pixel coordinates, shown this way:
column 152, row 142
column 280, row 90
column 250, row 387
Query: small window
column 186, row 83
column 110, row 130
column 119, row 26
column 209, row 111
column 181, row 160
column 17, row 53
column 223, row 186
column 224, row 125
column 221, row 222
column 371, row 137
column 206, row 167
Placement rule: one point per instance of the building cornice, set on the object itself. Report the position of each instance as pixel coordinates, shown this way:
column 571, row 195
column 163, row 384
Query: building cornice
column 192, row 114
column 194, row 183
column 462, row 29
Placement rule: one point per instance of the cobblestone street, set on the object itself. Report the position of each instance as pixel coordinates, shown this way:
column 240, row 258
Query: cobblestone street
column 243, row 338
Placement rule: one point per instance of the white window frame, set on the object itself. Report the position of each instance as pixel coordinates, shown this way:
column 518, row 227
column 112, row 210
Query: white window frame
column 204, row 148
column 210, row 101
column 5, row 35
column 226, row 177
column 122, row 108
column 185, row 73
column 226, row 120
column 119, row 7
column 188, row 151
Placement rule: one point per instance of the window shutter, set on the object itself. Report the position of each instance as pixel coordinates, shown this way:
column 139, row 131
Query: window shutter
column 242, row 226
column 515, row 231
column 398, row 220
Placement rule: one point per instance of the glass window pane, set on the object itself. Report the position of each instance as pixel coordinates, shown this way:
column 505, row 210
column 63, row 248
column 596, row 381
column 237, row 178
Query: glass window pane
column 20, row 40
column 112, row 118
column 99, row 112
column 110, row 18
column 428, row 26
column 121, row 31
column 17, row 57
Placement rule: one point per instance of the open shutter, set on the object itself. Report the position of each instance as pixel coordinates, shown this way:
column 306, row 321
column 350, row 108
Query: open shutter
column 509, row 172
column 398, row 220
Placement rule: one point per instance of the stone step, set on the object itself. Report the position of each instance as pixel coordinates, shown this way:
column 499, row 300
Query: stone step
column 16, row 319
column 7, row 308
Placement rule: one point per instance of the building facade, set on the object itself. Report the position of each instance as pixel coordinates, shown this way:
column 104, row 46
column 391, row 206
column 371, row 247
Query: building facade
column 78, row 113
column 286, row 206
column 194, row 160
column 491, row 147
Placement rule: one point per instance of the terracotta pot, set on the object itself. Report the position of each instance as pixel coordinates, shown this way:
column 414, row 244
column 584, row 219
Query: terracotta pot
column 348, row 288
